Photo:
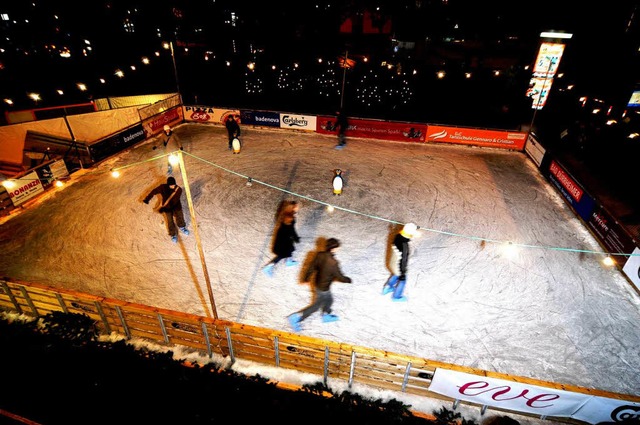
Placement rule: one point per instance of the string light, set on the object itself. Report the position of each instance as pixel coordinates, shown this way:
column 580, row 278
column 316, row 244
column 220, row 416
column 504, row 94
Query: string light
column 510, row 249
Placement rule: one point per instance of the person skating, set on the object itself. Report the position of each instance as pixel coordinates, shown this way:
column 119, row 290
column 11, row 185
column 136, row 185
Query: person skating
column 399, row 262
column 325, row 269
column 171, row 144
column 286, row 237
column 171, row 206
column 233, row 129
column 341, row 125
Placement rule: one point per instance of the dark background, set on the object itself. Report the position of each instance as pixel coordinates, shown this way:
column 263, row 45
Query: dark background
column 405, row 43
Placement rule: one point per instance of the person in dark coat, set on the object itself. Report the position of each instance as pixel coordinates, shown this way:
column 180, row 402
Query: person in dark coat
column 233, row 129
column 286, row 236
column 399, row 262
column 171, row 206
column 341, row 125
column 326, row 270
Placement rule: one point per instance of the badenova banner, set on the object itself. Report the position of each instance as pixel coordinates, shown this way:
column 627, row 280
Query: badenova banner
column 527, row 398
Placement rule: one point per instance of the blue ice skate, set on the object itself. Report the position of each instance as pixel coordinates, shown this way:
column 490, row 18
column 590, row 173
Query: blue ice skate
column 294, row 321
column 328, row 318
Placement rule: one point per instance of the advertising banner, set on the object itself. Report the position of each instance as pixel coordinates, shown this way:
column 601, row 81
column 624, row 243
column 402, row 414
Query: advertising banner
column 572, row 192
column 508, row 395
column 608, row 411
column 261, row 118
column 632, row 267
column 382, row 130
column 26, row 188
column 203, row 114
column 477, row 137
column 609, row 232
column 535, row 150
column 298, row 122
column 534, row 399
column 544, row 69
column 51, row 172
column 117, row 143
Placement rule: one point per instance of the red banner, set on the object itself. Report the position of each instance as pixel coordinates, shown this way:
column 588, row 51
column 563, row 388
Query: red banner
column 473, row 136
column 370, row 129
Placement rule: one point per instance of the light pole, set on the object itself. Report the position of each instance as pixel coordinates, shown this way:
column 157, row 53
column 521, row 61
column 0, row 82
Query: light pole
column 194, row 224
column 345, row 65
column 175, row 68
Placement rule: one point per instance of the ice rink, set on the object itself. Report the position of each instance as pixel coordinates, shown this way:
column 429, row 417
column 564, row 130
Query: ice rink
column 549, row 312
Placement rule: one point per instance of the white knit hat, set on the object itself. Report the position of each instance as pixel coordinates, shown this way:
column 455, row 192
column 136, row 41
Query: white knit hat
column 409, row 230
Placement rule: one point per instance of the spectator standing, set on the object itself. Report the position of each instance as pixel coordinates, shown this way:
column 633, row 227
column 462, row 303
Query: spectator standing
column 171, row 206
column 399, row 262
column 233, row 129
column 325, row 269
column 286, row 236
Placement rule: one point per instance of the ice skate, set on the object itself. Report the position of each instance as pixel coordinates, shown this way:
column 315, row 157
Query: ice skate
column 294, row 321
column 328, row 318
column 268, row 270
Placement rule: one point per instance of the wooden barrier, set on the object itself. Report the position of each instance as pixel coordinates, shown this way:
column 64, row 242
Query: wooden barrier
column 354, row 364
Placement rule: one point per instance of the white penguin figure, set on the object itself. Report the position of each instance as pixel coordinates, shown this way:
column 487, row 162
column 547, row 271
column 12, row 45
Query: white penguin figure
column 236, row 145
column 337, row 182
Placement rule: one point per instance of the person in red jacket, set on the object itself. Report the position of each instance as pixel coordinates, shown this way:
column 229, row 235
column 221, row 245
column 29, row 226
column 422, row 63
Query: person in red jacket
column 171, row 206
column 326, row 270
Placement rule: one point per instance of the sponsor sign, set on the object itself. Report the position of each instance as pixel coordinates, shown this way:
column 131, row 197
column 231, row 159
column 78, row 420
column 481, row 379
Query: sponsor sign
column 535, row 150
column 477, row 137
column 261, row 118
column 51, row 172
column 632, row 267
column 298, row 122
column 572, row 192
column 371, row 129
column 609, row 232
column 168, row 118
column 203, row 114
column 26, row 188
column 544, row 69
column 533, row 399
column 116, row 143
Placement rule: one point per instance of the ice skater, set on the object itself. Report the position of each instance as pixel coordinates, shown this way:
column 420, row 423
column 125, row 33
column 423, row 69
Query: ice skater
column 325, row 269
column 341, row 125
column 171, row 206
column 171, row 144
column 398, row 263
column 233, row 129
column 286, row 236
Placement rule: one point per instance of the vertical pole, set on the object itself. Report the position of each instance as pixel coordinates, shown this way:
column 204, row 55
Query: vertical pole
column 194, row 224
column 175, row 68
column 344, row 77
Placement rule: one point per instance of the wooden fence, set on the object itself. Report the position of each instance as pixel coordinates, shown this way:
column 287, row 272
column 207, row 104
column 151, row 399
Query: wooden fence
column 354, row 364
